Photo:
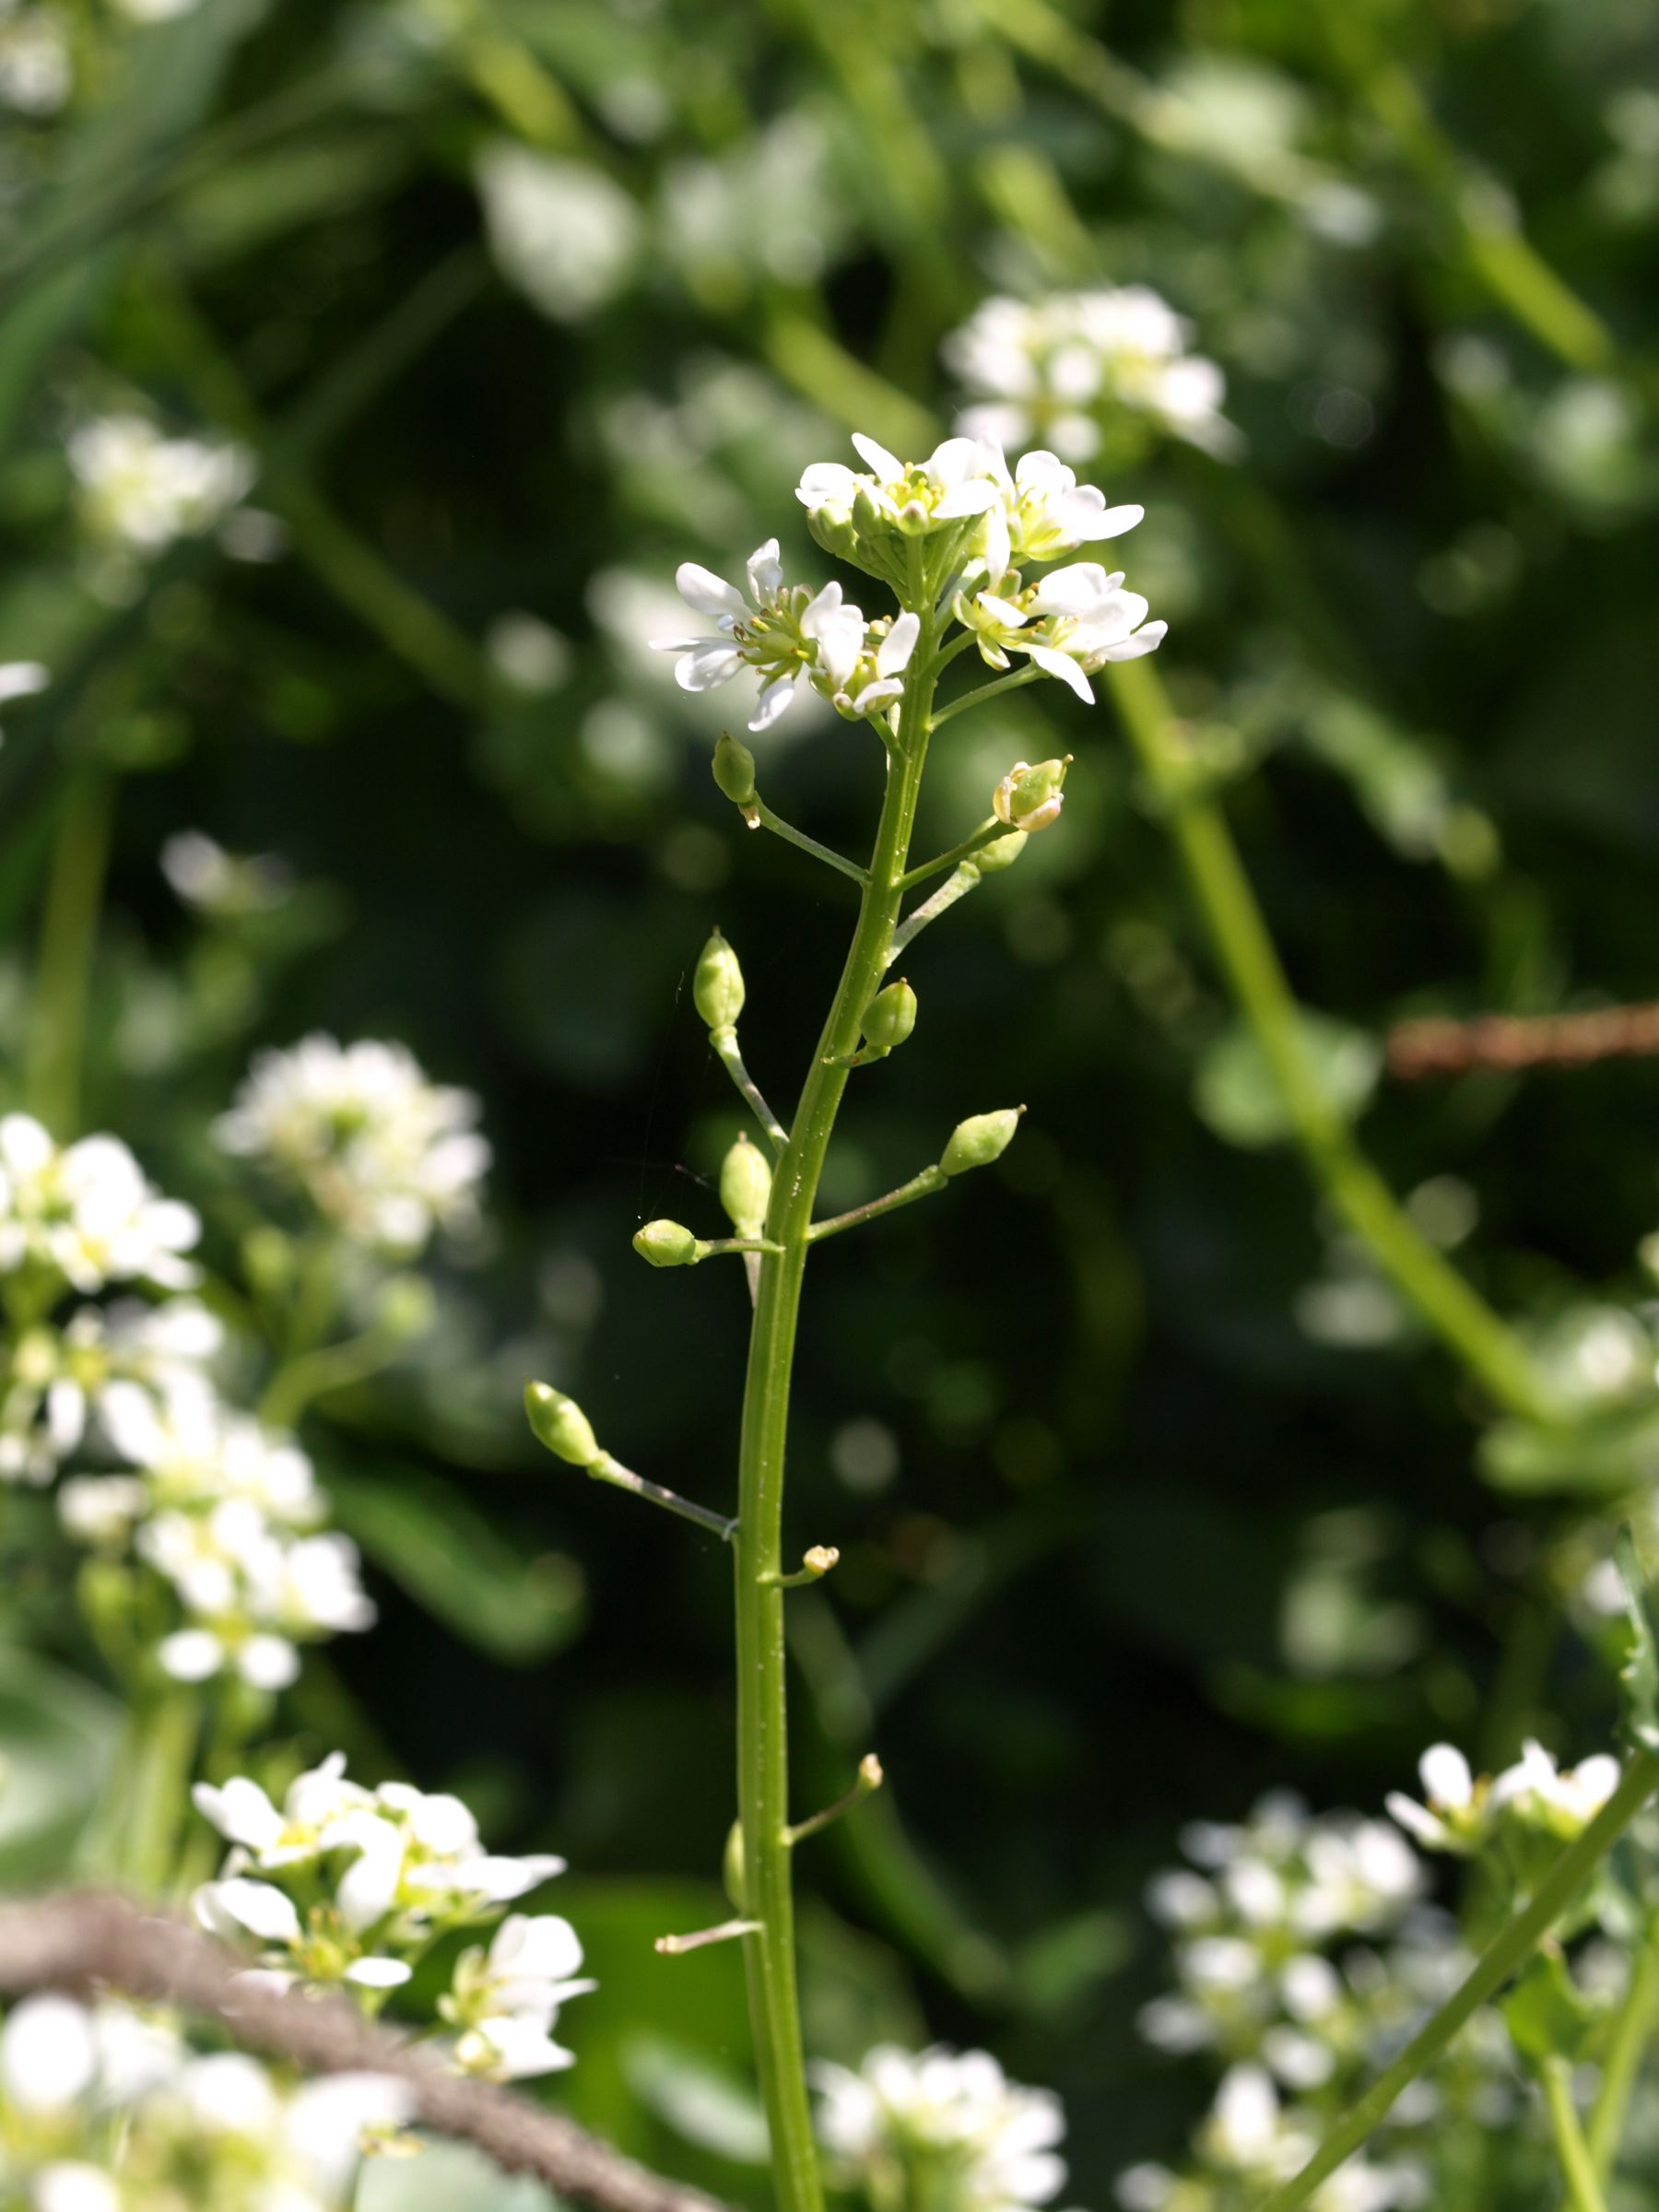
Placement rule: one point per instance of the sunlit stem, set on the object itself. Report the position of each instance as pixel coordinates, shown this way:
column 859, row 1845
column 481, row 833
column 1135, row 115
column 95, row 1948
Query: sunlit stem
column 607, row 1469
column 1628, row 2041
column 1502, row 1957
column 780, row 828
column 870, row 1778
column 815, row 1565
column 713, row 1248
column 724, row 1041
column 675, row 1947
column 919, row 1186
column 1572, row 2154
column 966, row 878
column 1027, row 675
column 989, row 830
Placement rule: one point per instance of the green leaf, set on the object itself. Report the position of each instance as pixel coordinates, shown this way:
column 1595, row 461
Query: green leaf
column 448, row 1556
column 698, row 2098
column 1237, row 1095
column 57, row 1744
column 447, row 2177
column 1546, row 2014
column 1638, row 1676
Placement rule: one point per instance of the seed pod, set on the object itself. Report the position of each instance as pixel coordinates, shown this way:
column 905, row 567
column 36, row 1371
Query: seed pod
column 979, row 1140
column 745, row 1187
column 734, row 769
column 666, row 1244
column 559, row 1424
column 889, row 1018
column 717, row 988
column 1001, row 853
column 1030, row 798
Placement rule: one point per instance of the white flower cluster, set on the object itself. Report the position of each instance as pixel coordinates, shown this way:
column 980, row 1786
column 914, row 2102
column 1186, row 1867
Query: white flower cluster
column 1057, row 368
column 103, row 2110
column 967, row 515
column 1464, row 1815
column 345, row 1885
column 384, row 1155
column 941, row 2129
column 141, row 491
column 83, row 1214
column 96, row 1372
column 37, row 74
column 229, row 1517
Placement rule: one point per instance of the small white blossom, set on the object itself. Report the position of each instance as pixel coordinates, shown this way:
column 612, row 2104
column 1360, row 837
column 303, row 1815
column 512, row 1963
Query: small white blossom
column 507, row 1999
column 789, row 636
column 956, row 481
column 904, row 2112
column 225, row 885
column 565, row 233
column 84, row 1212
column 385, row 1155
column 141, row 491
column 37, row 74
column 1068, row 624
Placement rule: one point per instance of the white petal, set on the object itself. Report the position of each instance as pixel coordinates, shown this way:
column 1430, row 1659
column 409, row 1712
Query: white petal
column 1144, row 640
column 268, row 1662
column 1445, row 1776
column 711, row 666
column 1079, row 590
column 765, row 572
column 241, row 1811
column 707, row 593
column 259, row 1907
column 1003, row 610
column 972, row 498
column 379, row 1973
column 1113, row 522
column 885, row 466
column 896, row 648
column 191, row 1654
column 1063, row 666
column 774, row 700
column 827, row 484
column 1415, row 1819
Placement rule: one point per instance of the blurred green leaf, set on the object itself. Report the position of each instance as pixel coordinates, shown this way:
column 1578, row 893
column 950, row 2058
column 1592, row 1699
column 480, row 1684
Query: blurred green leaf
column 1546, row 2015
column 707, row 2104
column 1638, row 1676
column 446, row 2177
column 57, row 1747
column 1237, row 1093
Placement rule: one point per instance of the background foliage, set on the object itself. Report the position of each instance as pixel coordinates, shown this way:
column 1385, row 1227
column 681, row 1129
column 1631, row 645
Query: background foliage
column 1149, row 1494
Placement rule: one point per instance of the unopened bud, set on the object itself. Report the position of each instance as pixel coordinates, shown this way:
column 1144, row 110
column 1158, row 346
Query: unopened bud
column 976, row 1142
column 1030, row 798
column 559, row 1424
column 1001, row 853
column 717, row 987
column 744, row 1187
column 730, row 1865
column 820, row 1558
column 666, row 1244
column 889, row 1018
column 734, row 770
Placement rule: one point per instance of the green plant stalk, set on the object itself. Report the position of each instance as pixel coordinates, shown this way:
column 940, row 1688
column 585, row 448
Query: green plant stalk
column 763, row 1740
column 1503, row 1957
column 163, row 1743
column 68, row 946
column 1488, row 1347
column 1572, row 2155
column 1627, row 2046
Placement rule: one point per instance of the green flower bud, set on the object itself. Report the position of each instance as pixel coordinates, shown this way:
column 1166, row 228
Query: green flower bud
column 734, row 770
column 976, row 1142
column 1001, row 853
column 666, row 1244
column 889, row 1018
column 1030, row 798
column 745, row 1187
column 717, row 986
column 731, row 1865
column 559, row 1424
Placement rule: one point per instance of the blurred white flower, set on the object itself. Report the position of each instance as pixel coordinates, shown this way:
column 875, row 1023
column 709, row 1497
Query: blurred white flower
column 62, row 1380
column 84, row 1212
column 36, row 72
column 141, row 491
column 506, row 2000
column 226, row 884
column 21, row 679
column 1052, row 368
column 563, row 231
column 907, row 2112
column 382, row 1153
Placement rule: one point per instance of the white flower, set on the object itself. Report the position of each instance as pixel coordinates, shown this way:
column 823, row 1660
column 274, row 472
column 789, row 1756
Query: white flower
column 1044, row 511
column 48, row 2054
column 901, row 2107
column 1054, row 366
column 506, row 2000
column 956, row 481
column 1071, row 622
column 789, row 636
column 1565, row 1802
column 20, row 680
column 223, row 884
column 382, row 1153
column 328, row 2122
column 86, row 1213
column 561, row 230
column 1449, row 1820
column 71, row 2186
column 61, row 1379
column 511, row 2047
column 141, row 491
column 243, row 1814
column 37, row 75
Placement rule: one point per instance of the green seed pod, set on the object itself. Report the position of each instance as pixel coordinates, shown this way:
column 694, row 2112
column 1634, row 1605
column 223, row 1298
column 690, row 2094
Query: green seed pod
column 717, row 986
column 559, row 1424
column 976, row 1142
column 666, row 1244
column 889, row 1018
column 731, row 1865
column 745, row 1187
column 1001, row 853
column 1030, row 798
column 734, row 769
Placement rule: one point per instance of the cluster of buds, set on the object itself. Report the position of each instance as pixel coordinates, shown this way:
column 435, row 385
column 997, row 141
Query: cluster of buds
column 1029, row 799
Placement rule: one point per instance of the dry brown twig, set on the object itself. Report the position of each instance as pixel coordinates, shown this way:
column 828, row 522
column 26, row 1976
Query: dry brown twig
column 88, row 1939
column 1438, row 1046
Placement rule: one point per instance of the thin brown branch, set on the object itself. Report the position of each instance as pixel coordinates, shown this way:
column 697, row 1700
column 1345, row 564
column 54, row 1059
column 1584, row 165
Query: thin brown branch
column 86, row 1940
column 1443, row 1047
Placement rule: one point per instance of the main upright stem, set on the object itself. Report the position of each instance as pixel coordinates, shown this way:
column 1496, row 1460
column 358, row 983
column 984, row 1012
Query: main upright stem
column 762, row 1724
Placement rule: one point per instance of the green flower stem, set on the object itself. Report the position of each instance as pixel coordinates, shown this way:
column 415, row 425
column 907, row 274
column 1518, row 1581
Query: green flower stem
column 1445, row 1300
column 1027, row 675
column 966, row 878
column 762, row 1741
column 987, row 834
column 919, row 1186
column 1572, row 2155
column 1632, row 2032
column 155, row 1796
column 607, row 1469
column 69, row 945
column 724, row 1041
column 780, row 828
column 299, row 1382
column 1503, row 1957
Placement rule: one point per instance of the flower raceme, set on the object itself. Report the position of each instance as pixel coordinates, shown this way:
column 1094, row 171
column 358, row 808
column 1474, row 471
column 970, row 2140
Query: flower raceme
column 949, row 530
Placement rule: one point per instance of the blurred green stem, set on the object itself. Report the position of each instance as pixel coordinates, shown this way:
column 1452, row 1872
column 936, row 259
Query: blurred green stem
column 1502, row 1957
column 156, row 1775
column 1584, row 2191
column 763, row 1740
column 68, row 944
column 1491, row 1351
column 1627, row 2043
